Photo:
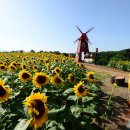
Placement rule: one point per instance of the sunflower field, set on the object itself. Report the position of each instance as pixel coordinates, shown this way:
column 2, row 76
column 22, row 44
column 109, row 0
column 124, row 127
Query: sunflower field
column 46, row 91
column 120, row 64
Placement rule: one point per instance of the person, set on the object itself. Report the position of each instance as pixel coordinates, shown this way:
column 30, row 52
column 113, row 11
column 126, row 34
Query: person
column 96, row 56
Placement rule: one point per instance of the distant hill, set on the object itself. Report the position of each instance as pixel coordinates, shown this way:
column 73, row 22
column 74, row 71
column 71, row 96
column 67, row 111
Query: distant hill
column 126, row 50
column 104, row 57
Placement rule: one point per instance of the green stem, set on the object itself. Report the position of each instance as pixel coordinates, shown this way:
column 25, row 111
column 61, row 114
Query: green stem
column 128, row 94
column 77, row 101
column 110, row 96
column 108, row 103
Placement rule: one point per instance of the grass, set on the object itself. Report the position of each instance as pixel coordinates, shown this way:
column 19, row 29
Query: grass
column 101, row 76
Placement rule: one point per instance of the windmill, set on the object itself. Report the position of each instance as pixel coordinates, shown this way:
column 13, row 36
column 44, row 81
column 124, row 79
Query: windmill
column 83, row 47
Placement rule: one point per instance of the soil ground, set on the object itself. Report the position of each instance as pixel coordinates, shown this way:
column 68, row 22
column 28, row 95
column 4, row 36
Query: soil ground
column 120, row 119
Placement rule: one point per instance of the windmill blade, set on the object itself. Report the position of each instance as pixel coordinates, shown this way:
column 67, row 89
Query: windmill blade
column 89, row 42
column 89, row 29
column 79, row 29
column 76, row 40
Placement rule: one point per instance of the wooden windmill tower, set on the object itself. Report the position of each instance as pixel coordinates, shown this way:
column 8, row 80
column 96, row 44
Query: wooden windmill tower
column 83, row 47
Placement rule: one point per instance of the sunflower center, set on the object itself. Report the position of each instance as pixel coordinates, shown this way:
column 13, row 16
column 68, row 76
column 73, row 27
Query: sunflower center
column 57, row 70
column 12, row 67
column 2, row 67
column 25, row 75
column 41, row 79
column 24, row 66
column 35, row 67
column 81, row 89
column 91, row 76
column 14, row 64
column 2, row 91
column 48, row 66
column 72, row 78
column 57, row 80
column 47, row 61
column 39, row 106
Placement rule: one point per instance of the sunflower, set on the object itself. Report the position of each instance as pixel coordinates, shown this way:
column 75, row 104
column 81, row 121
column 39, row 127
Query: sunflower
column 41, row 61
column 24, row 58
column 90, row 76
column 80, row 90
column 81, row 65
column 115, row 85
column 4, row 91
column 35, row 68
column 30, row 67
column 14, row 63
column 37, row 109
column 57, row 70
column 5, row 64
column 2, row 67
column 34, row 61
column 1, row 63
column 46, row 61
column 7, row 60
column 48, row 66
column 25, row 76
column 12, row 67
column 63, row 60
column 56, row 80
column 23, row 66
column 71, row 78
column 40, row 79
column 55, row 60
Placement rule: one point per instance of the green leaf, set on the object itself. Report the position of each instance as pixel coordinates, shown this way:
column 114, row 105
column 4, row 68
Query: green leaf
column 87, row 98
column 94, row 88
column 22, row 125
column 74, row 98
column 57, row 110
column 76, row 110
column 52, row 123
column 1, row 110
column 68, row 91
column 52, row 128
column 61, row 127
column 90, row 109
column 54, row 112
column 83, row 123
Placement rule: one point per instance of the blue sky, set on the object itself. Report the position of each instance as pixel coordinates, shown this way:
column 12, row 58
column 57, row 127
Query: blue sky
column 50, row 25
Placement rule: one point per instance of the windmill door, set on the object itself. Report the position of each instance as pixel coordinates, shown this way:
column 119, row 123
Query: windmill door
column 82, row 56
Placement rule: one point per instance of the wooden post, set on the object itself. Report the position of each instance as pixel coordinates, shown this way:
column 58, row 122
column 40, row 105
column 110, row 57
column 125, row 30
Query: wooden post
column 120, row 80
column 113, row 78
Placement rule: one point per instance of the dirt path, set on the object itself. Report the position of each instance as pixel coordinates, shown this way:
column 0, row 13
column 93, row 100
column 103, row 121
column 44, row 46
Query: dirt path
column 120, row 120
column 108, row 70
column 121, row 91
